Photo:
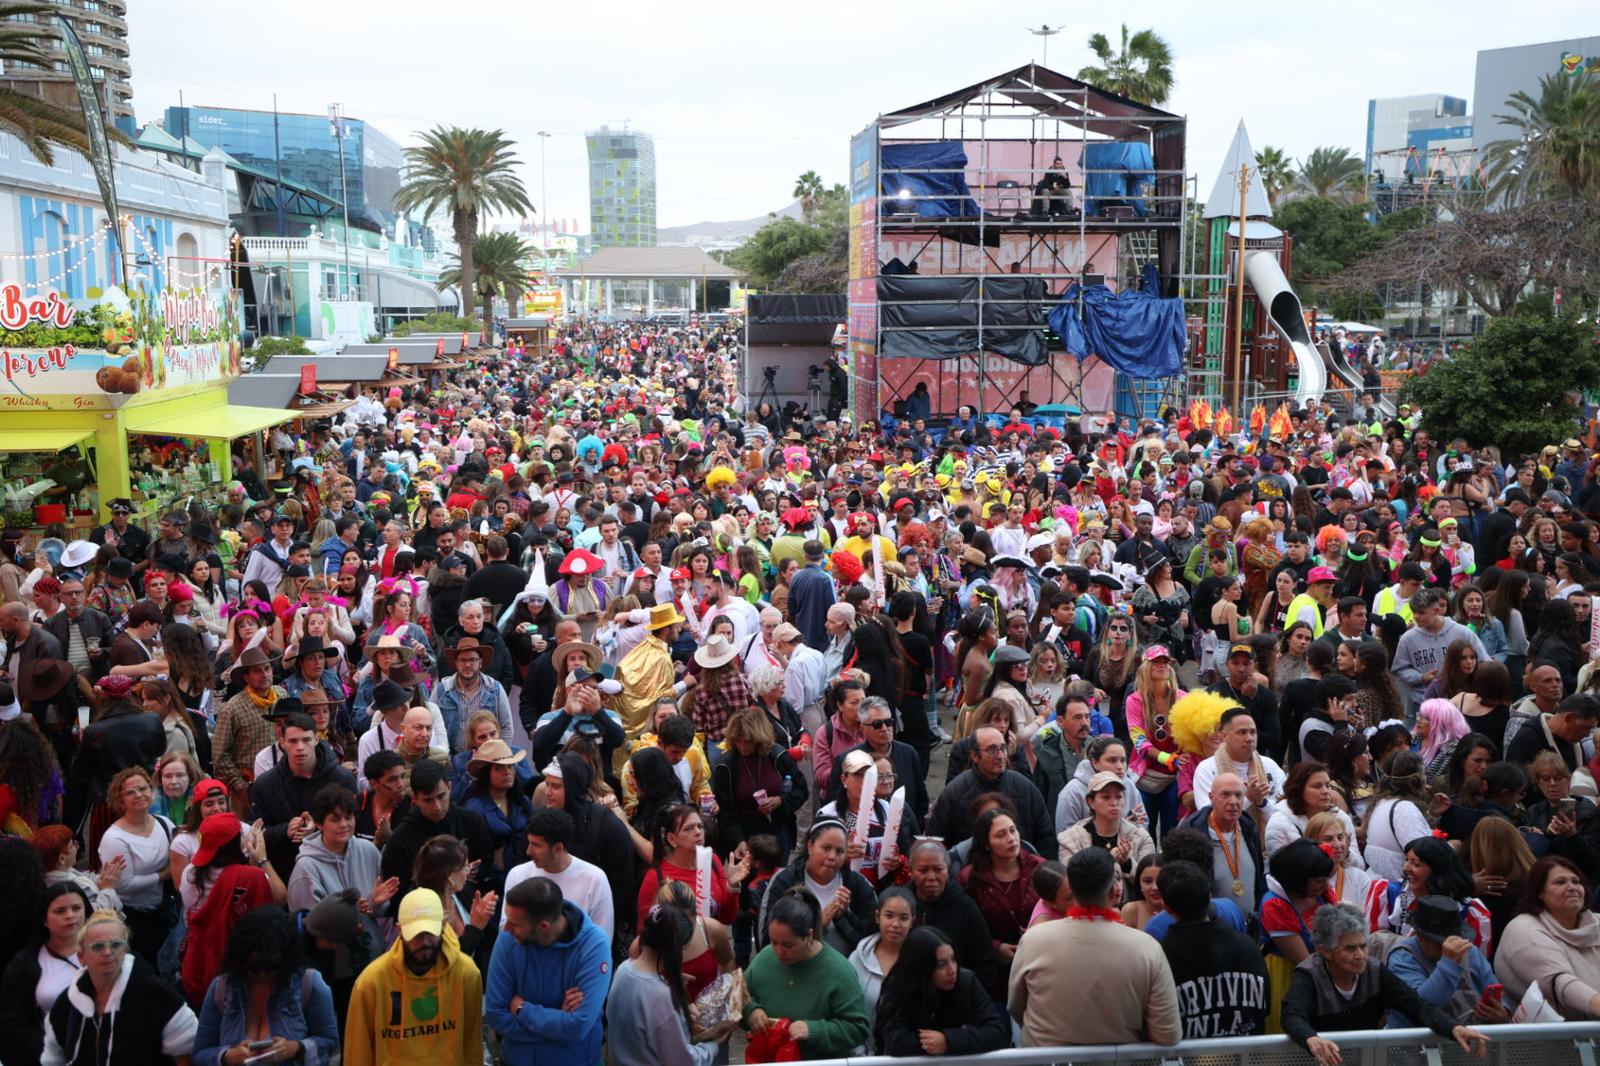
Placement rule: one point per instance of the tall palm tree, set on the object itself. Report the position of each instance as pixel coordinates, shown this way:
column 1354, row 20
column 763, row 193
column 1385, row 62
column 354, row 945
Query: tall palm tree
column 40, row 127
column 1331, row 170
column 1141, row 71
column 808, row 190
column 466, row 173
column 1555, row 150
column 1276, row 170
column 500, row 266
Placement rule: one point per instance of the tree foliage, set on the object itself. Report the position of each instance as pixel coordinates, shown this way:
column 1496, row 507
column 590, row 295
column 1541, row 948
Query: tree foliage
column 270, row 346
column 1330, row 235
column 1277, row 171
column 500, row 262
column 1329, row 171
column 1519, row 385
column 791, row 255
column 1494, row 257
column 24, row 47
column 808, row 190
column 438, row 322
column 465, row 173
column 1555, row 151
column 1141, row 70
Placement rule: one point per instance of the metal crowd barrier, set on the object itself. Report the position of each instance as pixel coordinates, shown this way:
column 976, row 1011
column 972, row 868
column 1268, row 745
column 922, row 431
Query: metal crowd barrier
column 1571, row 1044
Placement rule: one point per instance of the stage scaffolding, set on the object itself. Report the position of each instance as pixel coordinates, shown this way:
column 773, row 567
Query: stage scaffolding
column 1010, row 128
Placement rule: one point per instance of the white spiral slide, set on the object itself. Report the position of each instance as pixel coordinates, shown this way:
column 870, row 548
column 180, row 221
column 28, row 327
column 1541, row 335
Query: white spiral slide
column 1283, row 309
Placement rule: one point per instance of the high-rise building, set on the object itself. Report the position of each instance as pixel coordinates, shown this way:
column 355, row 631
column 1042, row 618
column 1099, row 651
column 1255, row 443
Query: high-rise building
column 622, row 188
column 1504, row 71
column 1401, row 130
column 310, row 154
column 102, row 27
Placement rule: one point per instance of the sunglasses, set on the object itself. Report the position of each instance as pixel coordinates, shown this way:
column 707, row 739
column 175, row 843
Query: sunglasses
column 882, row 723
column 99, row 947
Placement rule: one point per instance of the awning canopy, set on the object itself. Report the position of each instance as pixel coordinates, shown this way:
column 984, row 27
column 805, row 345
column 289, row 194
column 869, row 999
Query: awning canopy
column 41, row 440
column 215, row 423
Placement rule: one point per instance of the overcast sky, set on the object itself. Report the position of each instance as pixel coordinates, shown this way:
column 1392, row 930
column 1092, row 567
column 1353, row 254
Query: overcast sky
column 742, row 97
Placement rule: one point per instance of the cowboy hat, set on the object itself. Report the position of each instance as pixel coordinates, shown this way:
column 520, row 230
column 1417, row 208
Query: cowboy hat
column 486, row 651
column 43, row 679
column 311, row 645
column 663, row 615
column 387, row 642
column 718, row 651
column 286, row 705
column 387, row 695
column 975, row 556
column 252, row 657
column 79, row 553
column 591, row 654
column 495, row 752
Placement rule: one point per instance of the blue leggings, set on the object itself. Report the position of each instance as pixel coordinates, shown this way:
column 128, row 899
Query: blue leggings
column 1162, row 810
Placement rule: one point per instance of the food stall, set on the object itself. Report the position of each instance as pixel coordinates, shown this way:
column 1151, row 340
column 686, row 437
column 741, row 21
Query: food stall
column 136, row 384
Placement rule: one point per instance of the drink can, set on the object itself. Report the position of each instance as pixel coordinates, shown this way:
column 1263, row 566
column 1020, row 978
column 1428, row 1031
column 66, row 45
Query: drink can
column 705, row 803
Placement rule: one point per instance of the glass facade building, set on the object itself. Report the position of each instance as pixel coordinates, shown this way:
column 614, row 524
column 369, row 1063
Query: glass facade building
column 372, row 160
column 622, row 188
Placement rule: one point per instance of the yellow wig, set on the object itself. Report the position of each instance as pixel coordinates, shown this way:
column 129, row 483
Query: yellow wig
column 719, row 476
column 1196, row 717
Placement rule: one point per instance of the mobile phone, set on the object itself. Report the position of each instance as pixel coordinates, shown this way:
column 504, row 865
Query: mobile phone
column 1567, row 806
column 1493, row 993
column 259, row 1045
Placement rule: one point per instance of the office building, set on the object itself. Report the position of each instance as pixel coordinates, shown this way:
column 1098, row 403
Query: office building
column 1403, row 129
column 1502, row 72
column 102, row 27
column 622, row 188
column 309, row 152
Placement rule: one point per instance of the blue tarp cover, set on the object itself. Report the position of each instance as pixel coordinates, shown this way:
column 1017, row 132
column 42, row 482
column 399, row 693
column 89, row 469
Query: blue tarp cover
column 1137, row 332
column 951, row 197
column 1135, row 168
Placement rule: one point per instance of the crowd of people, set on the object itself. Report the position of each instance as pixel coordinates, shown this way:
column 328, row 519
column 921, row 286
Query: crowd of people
column 573, row 709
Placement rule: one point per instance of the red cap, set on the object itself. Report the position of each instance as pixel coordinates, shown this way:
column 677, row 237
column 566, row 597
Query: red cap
column 215, row 831
column 204, row 790
column 679, row 574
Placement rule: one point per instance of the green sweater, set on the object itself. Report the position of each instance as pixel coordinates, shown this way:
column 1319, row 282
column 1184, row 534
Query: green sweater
column 823, row 992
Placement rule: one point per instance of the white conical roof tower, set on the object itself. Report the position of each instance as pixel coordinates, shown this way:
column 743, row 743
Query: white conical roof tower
column 1224, row 199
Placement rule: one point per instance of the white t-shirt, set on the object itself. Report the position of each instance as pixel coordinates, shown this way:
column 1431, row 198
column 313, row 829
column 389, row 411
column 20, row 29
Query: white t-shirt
column 145, row 857
column 583, row 883
column 55, row 974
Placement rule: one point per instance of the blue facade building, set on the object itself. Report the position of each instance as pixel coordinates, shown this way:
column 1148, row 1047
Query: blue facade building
column 310, row 154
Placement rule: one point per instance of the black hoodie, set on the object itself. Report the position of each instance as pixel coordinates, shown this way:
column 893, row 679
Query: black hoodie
column 599, row 836
column 1221, row 979
column 958, row 917
column 278, row 797
column 413, row 831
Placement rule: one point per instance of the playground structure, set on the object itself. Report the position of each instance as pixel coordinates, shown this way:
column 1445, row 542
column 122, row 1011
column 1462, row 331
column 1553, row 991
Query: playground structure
column 962, row 266
column 1276, row 358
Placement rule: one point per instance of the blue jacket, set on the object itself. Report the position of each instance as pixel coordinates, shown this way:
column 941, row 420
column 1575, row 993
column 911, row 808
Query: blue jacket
column 541, row 1032
column 301, row 1009
column 1434, row 982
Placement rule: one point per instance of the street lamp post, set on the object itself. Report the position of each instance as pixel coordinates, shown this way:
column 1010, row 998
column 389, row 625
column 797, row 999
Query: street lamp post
column 544, row 201
column 1045, row 32
column 336, row 121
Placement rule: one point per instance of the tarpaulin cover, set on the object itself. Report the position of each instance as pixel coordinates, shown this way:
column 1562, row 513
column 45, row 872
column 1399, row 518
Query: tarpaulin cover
column 1134, row 167
column 795, row 318
column 938, row 317
column 1138, row 333
column 950, row 197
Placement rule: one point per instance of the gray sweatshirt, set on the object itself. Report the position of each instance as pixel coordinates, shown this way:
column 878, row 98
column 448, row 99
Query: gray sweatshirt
column 646, row 1029
column 1420, row 652
column 319, row 873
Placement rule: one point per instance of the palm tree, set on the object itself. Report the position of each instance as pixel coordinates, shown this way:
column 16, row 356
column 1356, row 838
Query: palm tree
column 1142, row 71
column 1276, row 170
column 500, row 265
column 40, row 127
column 808, row 190
column 1330, row 170
column 1555, row 150
column 467, row 173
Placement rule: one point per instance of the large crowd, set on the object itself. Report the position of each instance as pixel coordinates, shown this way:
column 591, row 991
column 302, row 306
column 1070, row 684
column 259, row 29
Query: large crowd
column 571, row 709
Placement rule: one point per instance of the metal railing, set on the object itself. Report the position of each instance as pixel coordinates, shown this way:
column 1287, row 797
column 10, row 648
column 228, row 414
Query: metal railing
column 1571, row 1044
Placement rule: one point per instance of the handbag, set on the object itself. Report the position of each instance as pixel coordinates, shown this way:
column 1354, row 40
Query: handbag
column 1155, row 781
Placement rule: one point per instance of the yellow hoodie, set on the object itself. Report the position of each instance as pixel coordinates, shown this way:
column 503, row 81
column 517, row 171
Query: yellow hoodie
column 397, row 1017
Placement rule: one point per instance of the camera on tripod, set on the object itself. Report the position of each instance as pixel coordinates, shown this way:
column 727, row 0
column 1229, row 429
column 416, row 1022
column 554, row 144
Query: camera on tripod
column 770, row 375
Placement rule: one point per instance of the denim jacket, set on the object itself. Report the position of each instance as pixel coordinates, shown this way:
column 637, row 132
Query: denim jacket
column 301, row 1009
